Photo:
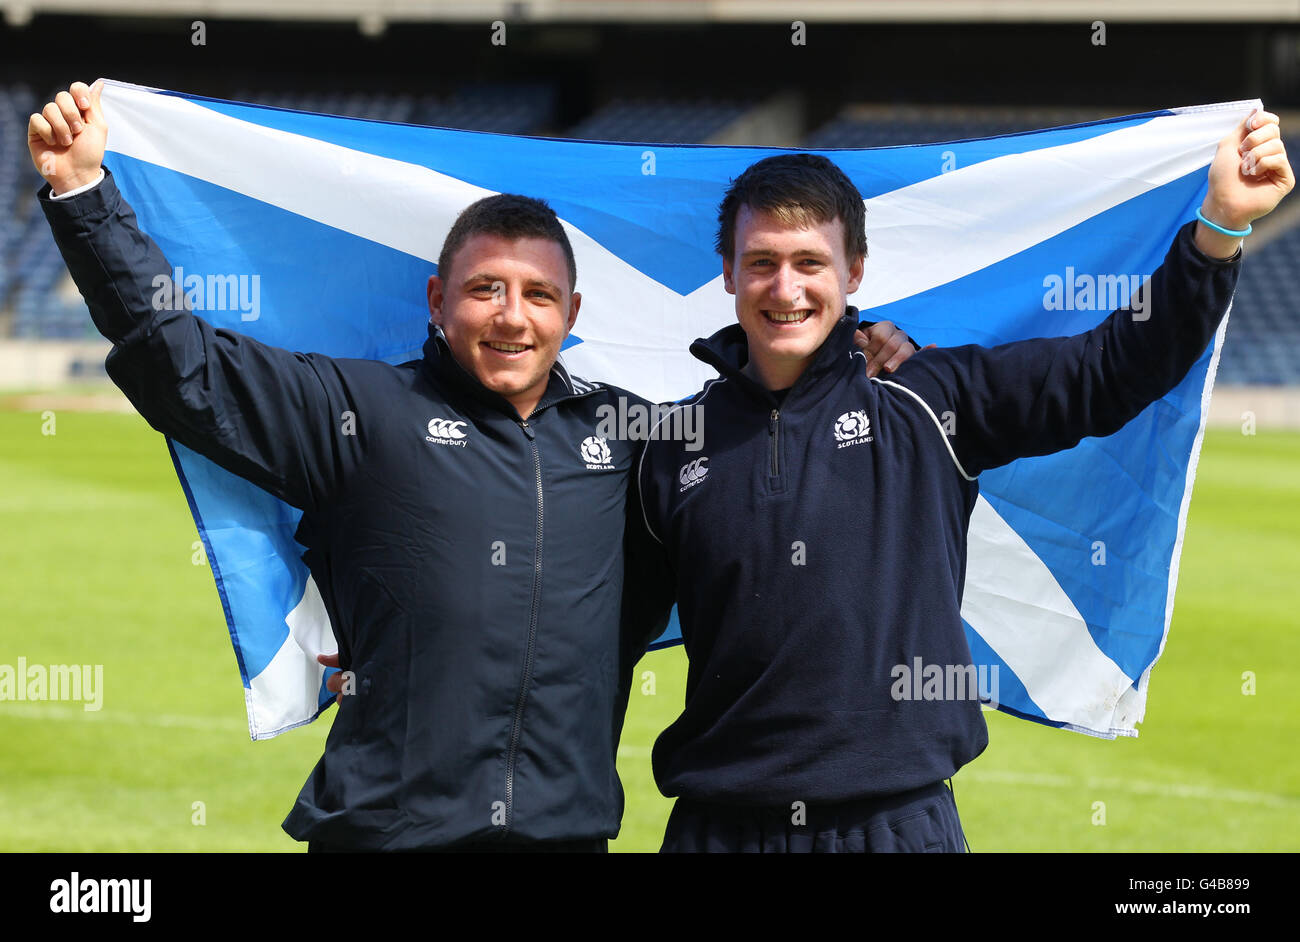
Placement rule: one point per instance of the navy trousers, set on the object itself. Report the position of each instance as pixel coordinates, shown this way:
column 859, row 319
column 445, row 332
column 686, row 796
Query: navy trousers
column 920, row 821
column 594, row 846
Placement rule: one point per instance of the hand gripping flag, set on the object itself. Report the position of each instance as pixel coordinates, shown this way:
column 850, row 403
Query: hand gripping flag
column 1073, row 557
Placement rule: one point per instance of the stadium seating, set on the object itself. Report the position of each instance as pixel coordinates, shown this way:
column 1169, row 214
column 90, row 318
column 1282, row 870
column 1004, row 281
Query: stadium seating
column 1263, row 340
column 893, row 126
column 503, row 108
column 30, row 266
column 656, row 121
column 16, row 103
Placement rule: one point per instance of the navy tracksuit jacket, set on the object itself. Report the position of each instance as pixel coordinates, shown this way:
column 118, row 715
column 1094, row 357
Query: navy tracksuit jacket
column 472, row 563
column 819, row 540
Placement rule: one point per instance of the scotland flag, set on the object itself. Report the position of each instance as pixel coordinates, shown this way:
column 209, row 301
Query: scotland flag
column 331, row 227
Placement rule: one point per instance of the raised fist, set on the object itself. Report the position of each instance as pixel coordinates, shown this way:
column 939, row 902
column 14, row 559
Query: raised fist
column 67, row 137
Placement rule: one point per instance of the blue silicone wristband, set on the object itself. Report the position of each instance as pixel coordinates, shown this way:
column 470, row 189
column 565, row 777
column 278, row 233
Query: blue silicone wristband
column 1235, row 233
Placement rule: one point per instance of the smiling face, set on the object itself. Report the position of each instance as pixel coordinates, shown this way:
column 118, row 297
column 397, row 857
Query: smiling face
column 791, row 284
column 505, row 309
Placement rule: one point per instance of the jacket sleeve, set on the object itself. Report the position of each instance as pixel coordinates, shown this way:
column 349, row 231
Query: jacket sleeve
column 1036, row 397
column 268, row 415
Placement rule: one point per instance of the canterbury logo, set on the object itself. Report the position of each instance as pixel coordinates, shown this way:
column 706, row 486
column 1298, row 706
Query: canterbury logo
column 692, row 472
column 852, row 428
column 447, row 432
column 445, row 428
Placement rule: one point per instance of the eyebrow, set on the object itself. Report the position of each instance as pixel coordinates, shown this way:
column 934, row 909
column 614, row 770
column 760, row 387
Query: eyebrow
column 769, row 253
column 531, row 283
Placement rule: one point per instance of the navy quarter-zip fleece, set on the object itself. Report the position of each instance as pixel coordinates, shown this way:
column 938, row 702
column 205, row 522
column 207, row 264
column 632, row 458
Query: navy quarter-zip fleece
column 471, row 562
column 818, row 540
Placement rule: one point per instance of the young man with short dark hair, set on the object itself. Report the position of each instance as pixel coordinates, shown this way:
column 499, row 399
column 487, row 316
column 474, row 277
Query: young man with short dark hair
column 490, row 684
column 812, row 474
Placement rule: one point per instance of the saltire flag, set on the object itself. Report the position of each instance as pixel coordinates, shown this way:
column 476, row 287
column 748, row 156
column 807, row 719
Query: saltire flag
column 336, row 224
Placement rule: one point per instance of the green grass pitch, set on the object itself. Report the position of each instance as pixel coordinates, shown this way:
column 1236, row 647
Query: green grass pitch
column 96, row 566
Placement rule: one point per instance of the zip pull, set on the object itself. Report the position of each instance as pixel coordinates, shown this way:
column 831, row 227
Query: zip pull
column 528, row 429
column 773, row 423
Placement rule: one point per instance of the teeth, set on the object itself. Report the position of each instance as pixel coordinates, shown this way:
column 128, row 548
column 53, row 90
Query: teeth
column 507, row 347
column 787, row 317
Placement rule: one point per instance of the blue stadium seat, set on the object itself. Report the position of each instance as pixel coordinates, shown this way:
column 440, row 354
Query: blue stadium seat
column 656, row 121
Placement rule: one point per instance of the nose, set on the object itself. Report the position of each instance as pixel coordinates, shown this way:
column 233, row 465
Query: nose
column 510, row 308
column 787, row 286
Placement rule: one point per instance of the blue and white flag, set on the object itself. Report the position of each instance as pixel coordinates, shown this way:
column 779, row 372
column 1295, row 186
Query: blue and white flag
column 979, row 241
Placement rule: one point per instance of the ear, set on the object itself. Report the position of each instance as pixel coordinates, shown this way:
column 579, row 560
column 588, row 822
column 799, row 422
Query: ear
column 574, row 303
column 435, row 299
column 856, row 271
column 728, row 276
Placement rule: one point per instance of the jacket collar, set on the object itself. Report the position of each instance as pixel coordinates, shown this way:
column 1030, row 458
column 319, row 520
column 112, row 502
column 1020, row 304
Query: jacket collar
column 727, row 351
column 440, row 363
